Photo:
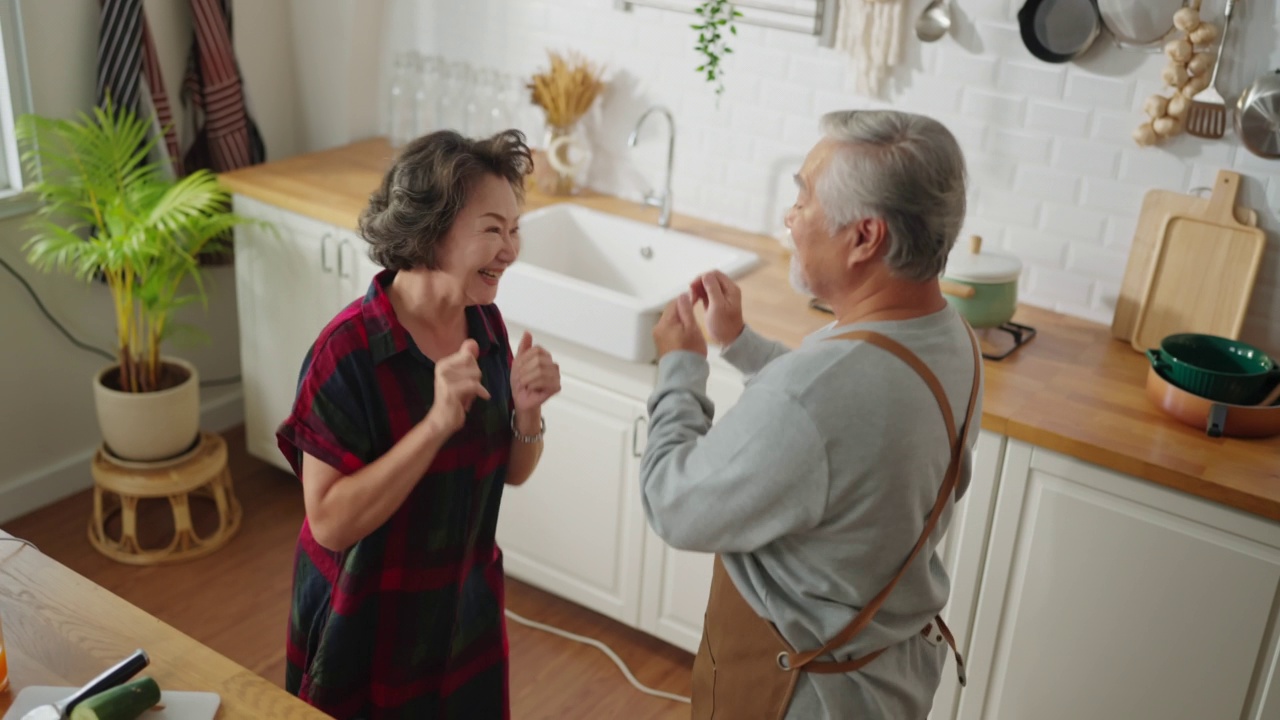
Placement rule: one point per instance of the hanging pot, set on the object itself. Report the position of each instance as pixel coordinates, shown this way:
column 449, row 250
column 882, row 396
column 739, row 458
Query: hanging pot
column 1258, row 116
column 983, row 287
column 1057, row 31
column 1139, row 23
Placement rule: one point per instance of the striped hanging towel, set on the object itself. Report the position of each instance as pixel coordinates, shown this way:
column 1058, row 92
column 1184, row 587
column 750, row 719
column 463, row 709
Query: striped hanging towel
column 870, row 32
column 127, row 59
column 226, row 137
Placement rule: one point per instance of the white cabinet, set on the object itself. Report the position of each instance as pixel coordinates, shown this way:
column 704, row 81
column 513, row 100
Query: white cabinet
column 677, row 583
column 1108, row 597
column 292, row 277
column 576, row 528
column 962, row 550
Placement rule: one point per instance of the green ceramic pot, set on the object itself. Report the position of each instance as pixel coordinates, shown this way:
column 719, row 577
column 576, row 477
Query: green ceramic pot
column 1217, row 368
column 983, row 287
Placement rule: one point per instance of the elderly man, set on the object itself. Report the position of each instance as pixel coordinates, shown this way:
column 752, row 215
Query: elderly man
column 825, row 490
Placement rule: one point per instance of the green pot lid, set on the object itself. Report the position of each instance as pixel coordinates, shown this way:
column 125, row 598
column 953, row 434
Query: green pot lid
column 971, row 265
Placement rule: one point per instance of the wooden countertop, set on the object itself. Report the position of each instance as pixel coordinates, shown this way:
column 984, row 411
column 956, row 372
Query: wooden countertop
column 61, row 629
column 1072, row 389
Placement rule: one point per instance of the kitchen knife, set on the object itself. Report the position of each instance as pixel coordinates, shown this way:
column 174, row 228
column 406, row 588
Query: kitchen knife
column 117, row 675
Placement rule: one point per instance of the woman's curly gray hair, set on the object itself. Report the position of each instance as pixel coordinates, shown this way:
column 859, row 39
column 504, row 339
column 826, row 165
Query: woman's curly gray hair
column 431, row 181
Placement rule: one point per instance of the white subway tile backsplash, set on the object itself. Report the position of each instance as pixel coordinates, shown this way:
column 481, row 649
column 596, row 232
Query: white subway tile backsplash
column 993, row 108
column 1153, row 168
column 816, row 72
column 1095, row 91
column 1009, row 207
column 1036, row 247
column 1097, row 262
column 1120, row 231
column 761, row 62
column 1080, row 224
column 1117, row 127
column 1047, row 184
column 1056, row 287
column 1026, row 147
column 1111, row 195
column 1087, row 159
column 1055, row 176
column 969, row 69
column 1035, row 81
column 1058, row 119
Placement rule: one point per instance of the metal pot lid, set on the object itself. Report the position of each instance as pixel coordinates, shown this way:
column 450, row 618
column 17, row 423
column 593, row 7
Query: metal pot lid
column 1138, row 22
column 1258, row 116
column 972, row 265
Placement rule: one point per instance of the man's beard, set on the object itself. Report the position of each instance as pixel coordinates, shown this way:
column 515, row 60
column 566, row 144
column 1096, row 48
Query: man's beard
column 798, row 281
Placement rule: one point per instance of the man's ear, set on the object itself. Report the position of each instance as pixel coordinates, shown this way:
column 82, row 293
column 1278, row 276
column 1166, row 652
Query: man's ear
column 865, row 239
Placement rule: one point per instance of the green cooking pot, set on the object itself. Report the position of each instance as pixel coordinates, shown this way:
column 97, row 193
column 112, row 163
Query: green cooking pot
column 982, row 287
column 1217, row 368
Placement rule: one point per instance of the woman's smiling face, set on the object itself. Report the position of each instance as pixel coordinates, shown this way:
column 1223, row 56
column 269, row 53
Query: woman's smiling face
column 483, row 241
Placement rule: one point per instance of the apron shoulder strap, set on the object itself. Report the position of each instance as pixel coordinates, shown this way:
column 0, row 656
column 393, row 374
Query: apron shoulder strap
column 868, row 612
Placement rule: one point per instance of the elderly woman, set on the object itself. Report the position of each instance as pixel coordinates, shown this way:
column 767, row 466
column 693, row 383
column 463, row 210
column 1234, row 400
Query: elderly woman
column 411, row 415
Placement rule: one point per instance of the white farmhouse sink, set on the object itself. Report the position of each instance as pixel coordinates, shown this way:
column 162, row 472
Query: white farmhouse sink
column 601, row 281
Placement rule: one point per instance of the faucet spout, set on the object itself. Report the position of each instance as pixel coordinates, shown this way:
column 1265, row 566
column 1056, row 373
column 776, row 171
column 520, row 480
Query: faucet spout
column 662, row 201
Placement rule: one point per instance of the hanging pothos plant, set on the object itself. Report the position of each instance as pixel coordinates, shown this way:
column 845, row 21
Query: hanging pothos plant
column 717, row 23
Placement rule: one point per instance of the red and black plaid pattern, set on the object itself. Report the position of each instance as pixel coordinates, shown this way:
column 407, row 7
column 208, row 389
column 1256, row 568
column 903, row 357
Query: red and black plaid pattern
column 408, row 623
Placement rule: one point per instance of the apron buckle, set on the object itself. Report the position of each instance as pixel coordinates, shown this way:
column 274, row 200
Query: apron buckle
column 784, row 661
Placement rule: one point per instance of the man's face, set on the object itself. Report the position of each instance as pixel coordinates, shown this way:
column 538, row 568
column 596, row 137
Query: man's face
column 807, row 222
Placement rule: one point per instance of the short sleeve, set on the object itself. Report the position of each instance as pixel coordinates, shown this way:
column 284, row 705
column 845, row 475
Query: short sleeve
column 328, row 418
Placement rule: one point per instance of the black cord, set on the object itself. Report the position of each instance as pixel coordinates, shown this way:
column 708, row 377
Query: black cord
column 85, row 346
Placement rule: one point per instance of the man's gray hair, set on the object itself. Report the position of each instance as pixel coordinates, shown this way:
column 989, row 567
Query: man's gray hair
column 905, row 169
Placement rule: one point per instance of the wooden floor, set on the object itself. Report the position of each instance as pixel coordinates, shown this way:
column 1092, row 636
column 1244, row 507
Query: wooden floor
column 236, row 601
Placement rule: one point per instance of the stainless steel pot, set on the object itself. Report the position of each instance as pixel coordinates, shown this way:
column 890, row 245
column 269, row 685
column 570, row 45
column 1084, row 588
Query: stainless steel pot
column 1258, row 116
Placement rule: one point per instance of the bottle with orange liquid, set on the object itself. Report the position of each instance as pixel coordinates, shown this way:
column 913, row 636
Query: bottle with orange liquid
column 4, row 664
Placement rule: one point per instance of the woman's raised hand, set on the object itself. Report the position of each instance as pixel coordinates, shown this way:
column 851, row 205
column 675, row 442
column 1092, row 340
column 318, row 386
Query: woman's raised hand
column 458, row 384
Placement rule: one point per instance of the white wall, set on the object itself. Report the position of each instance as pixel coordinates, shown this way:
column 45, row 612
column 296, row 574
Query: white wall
column 1056, row 179
column 47, row 426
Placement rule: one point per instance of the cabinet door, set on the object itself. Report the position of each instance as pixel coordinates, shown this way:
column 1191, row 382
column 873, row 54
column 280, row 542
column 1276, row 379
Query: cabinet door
column 1108, row 597
column 575, row 528
column 962, row 550
column 287, row 291
column 677, row 583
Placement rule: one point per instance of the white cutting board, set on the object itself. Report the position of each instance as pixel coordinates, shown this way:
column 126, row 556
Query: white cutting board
column 177, row 705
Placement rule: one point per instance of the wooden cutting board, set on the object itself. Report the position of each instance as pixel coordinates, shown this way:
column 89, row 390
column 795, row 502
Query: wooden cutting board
column 178, row 705
column 1202, row 272
column 1157, row 207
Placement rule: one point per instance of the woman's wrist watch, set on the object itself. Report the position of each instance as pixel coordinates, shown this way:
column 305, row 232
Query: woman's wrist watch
column 530, row 439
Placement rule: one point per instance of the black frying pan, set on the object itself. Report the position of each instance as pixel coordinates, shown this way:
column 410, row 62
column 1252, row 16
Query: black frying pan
column 1058, row 31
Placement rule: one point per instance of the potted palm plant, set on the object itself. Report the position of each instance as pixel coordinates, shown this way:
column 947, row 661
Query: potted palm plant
column 109, row 213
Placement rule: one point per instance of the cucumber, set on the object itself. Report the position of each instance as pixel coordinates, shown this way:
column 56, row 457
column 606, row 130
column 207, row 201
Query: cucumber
column 123, row 702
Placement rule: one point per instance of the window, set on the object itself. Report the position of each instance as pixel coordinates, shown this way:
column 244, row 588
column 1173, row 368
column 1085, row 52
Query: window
column 15, row 101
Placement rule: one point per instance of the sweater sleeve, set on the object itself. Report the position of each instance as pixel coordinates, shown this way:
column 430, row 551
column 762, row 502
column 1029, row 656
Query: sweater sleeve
column 751, row 351
column 759, row 474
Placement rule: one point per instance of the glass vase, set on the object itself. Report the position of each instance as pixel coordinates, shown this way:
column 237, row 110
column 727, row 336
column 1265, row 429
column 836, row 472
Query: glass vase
column 568, row 155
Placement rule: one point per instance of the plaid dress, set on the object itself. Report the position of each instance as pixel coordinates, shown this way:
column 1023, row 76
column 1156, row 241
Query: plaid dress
column 408, row 622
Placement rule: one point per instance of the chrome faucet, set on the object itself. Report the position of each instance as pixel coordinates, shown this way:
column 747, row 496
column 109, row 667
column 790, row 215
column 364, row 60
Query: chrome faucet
column 663, row 201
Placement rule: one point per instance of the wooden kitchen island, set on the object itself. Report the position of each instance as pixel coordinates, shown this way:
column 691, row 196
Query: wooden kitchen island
column 61, row 629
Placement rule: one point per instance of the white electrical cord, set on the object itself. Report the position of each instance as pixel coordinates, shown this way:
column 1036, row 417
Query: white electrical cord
column 602, row 648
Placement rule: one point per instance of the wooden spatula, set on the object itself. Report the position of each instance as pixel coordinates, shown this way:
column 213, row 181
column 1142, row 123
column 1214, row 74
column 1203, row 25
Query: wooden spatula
column 1207, row 116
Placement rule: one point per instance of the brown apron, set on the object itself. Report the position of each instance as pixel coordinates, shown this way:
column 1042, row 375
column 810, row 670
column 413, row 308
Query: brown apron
column 744, row 668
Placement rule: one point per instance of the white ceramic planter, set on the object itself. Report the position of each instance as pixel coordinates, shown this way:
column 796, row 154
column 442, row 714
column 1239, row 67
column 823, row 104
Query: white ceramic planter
column 149, row 426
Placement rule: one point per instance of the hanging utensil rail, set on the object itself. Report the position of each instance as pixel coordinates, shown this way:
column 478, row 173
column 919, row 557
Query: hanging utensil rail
column 810, row 17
